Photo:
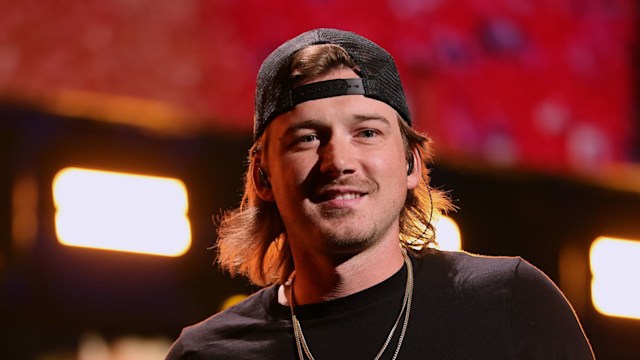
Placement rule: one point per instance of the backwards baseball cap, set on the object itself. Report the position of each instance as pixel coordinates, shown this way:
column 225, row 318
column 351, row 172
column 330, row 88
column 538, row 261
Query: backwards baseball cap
column 379, row 77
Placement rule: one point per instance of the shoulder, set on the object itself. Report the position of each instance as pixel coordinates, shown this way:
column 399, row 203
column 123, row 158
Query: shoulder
column 487, row 281
column 465, row 269
column 541, row 320
column 524, row 280
column 213, row 334
column 466, row 261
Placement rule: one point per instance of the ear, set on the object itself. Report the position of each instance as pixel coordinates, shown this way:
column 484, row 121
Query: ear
column 413, row 177
column 261, row 182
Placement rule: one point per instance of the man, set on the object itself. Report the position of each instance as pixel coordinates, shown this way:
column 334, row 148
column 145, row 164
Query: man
column 336, row 223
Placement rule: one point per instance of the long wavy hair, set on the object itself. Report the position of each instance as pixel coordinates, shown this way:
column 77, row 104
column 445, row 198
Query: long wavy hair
column 252, row 240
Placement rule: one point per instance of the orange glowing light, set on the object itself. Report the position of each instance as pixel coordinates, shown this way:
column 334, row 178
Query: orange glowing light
column 615, row 263
column 447, row 234
column 123, row 212
column 233, row 300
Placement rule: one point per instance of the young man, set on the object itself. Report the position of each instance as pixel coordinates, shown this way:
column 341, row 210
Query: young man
column 336, row 223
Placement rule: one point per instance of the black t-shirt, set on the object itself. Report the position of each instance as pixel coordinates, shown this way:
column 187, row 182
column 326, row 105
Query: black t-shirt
column 464, row 307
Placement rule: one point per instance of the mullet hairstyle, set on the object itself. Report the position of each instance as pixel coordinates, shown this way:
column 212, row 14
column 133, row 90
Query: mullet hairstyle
column 252, row 240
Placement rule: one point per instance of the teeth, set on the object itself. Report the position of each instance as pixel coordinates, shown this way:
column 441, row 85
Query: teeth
column 347, row 196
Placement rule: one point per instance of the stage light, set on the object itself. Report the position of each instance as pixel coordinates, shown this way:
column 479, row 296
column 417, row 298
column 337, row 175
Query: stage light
column 447, row 233
column 122, row 212
column 615, row 264
column 232, row 300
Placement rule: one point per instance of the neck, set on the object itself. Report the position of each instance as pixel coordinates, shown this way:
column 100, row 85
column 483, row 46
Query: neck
column 322, row 278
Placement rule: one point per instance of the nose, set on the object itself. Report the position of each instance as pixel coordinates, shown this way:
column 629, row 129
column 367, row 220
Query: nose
column 337, row 156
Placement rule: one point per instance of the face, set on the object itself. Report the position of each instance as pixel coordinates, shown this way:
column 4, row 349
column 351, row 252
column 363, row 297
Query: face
column 338, row 172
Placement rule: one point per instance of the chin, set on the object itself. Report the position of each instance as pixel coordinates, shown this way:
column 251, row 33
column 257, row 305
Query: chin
column 348, row 240
column 334, row 213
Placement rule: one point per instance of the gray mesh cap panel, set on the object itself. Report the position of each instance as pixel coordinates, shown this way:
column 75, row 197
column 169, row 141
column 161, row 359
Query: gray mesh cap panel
column 377, row 68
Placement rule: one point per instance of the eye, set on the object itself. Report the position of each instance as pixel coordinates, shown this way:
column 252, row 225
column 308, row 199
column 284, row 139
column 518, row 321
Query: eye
column 368, row 133
column 303, row 140
column 308, row 138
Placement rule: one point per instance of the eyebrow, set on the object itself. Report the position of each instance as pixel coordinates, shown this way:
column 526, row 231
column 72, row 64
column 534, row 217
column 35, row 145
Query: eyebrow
column 366, row 117
column 314, row 123
column 306, row 124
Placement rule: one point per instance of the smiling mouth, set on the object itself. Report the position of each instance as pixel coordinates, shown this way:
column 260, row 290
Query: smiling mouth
column 341, row 196
column 342, row 190
column 346, row 196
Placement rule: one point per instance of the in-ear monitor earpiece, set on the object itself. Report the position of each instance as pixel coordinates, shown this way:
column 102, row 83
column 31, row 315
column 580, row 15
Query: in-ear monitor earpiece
column 263, row 177
column 410, row 164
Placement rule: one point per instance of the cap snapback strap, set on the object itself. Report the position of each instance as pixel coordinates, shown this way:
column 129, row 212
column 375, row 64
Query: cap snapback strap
column 327, row 88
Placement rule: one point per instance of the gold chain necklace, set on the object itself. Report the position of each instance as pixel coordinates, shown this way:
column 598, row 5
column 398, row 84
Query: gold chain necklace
column 301, row 343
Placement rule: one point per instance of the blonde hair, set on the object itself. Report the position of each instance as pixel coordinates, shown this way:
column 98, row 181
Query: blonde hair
column 252, row 241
